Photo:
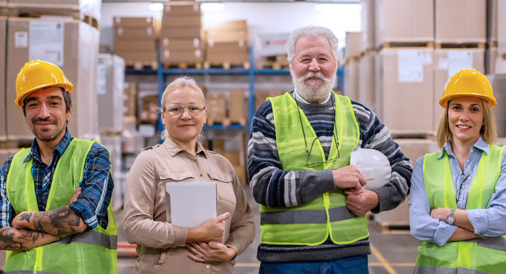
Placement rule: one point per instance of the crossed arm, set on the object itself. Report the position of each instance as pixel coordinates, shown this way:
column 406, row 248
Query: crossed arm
column 465, row 230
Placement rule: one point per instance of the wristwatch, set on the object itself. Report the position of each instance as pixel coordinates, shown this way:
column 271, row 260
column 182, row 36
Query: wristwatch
column 451, row 217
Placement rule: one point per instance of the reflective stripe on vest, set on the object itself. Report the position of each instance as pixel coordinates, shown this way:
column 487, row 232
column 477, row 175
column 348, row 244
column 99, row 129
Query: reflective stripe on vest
column 93, row 251
column 472, row 256
column 312, row 223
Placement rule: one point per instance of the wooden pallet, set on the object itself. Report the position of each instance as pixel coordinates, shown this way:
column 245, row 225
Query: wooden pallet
column 240, row 121
column 183, row 65
column 92, row 21
column 406, row 45
column 226, row 65
column 13, row 144
column 272, row 65
column 138, row 65
column 393, row 228
column 224, row 122
column 463, row 45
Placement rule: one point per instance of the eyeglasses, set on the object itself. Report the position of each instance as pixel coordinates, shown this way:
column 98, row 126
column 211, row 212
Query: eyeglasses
column 309, row 150
column 177, row 109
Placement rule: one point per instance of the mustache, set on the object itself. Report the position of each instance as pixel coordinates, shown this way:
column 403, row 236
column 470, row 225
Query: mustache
column 317, row 75
column 37, row 120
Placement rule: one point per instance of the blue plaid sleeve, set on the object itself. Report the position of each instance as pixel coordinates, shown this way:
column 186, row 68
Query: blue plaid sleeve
column 6, row 210
column 96, row 188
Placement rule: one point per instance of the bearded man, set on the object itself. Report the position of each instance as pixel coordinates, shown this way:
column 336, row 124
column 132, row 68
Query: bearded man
column 312, row 201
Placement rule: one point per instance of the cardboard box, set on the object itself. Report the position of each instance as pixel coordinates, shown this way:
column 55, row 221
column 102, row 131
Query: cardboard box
column 130, row 45
column 3, row 34
column 353, row 41
column 133, row 22
column 110, row 87
column 448, row 62
column 181, row 21
column 404, row 21
column 226, row 46
column 181, row 32
column 232, row 57
column 172, row 56
column 351, row 81
column 216, row 36
column 122, row 33
column 149, row 109
column 498, row 82
column 461, row 21
column 367, row 24
column 130, row 104
column 182, row 8
column 500, row 65
column 366, row 90
column 91, row 8
column 236, row 25
column 501, row 27
column 216, row 106
column 77, row 56
column 404, row 93
column 270, row 44
column 178, row 44
column 138, row 56
column 113, row 145
column 490, row 60
column 236, row 105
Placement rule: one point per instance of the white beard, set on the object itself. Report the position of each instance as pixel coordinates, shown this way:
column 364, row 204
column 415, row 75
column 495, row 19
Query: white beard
column 312, row 93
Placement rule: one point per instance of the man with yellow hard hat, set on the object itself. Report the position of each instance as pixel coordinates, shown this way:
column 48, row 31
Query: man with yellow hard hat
column 55, row 213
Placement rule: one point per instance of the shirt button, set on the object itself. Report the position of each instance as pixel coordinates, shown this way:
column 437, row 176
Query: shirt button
column 45, row 193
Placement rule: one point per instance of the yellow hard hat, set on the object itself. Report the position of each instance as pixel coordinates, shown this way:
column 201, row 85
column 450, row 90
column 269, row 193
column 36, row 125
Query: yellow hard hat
column 468, row 82
column 38, row 74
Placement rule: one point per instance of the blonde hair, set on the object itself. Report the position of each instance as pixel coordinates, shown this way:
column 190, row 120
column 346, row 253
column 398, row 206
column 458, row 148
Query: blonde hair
column 488, row 130
column 178, row 84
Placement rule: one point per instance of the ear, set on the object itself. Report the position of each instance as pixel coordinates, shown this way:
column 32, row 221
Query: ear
column 68, row 115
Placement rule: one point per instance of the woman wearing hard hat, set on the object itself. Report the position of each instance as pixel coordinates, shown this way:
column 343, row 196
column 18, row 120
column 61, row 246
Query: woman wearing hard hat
column 458, row 194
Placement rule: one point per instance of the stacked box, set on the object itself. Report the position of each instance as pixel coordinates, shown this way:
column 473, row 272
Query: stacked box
column 366, row 90
column 110, row 82
column 447, row 62
column 181, row 34
column 130, row 104
column 498, row 82
column 404, row 90
column 91, row 8
column 216, row 107
column 113, row 145
column 236, row 109
column 490, row 60
column 404, row 21
column 3, row 32
column 228, row 43
column 461, row 21
column 261, row 96
column 501, row 27
column 367, row 23
column 73, row 46
column 353, row 41
column 149, row 110
column 351, row 82
column 135, row 39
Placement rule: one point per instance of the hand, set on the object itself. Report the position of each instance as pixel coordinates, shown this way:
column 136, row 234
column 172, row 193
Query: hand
column 75, row 196
column 349, row 178
column 210, row 230
column 212, row 252
column 362, row 201
column 440, row 213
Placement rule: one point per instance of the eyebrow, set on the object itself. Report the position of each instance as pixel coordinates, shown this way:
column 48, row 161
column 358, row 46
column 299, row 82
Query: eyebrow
column 460, row 104
column 51, row 97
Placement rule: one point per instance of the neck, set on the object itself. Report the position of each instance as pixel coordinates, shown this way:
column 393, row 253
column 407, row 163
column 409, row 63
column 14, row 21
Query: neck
column 46, row 149
column 189, row 146
column 461, row 148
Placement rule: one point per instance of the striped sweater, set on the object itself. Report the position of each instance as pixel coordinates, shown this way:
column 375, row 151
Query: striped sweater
column 274, row 187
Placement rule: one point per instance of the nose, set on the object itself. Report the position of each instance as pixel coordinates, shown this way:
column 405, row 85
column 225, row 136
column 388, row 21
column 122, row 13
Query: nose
column 43, row 111
column 186, row 113
column 314, row 66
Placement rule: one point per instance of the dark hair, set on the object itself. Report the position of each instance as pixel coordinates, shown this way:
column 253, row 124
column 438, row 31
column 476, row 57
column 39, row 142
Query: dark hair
column 66, row 97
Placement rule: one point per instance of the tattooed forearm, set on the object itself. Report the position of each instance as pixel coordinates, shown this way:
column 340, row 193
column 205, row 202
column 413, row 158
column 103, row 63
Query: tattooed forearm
column 57, row 222
column 21, row 239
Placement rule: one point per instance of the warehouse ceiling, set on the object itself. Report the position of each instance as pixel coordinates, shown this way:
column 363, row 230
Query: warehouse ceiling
column 242, row 1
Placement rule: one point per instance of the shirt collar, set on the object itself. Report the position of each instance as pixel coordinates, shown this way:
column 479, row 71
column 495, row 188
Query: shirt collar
column 175, row 149
column 480, row 145
column 59, row 149
column 302, row 100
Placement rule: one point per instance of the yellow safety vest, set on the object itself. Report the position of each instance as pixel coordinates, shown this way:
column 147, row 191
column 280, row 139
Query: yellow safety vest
column 327, row 215
column 93, row 251
column 472, row 256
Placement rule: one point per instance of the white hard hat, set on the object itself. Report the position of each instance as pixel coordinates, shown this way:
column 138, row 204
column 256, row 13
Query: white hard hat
column 374, row 165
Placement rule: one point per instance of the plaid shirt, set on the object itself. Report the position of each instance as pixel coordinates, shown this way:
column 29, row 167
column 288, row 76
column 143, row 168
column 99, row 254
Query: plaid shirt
column 96, row 185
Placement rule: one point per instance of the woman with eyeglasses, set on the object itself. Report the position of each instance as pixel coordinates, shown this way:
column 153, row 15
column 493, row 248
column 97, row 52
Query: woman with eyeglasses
column 166, row 248
column 458, row 194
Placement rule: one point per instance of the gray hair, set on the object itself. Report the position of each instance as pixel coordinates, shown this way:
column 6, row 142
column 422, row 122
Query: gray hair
column 178, row 84
column 310, row 31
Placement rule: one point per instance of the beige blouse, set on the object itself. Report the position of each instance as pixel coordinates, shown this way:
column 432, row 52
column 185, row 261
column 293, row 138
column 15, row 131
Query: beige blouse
column 159, row 242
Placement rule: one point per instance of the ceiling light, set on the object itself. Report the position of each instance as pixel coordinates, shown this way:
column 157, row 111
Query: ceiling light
column 156, row 6
column 212, row 6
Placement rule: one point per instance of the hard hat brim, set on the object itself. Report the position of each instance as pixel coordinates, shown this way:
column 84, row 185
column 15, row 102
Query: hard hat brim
column 20, row 99
column 443, row 102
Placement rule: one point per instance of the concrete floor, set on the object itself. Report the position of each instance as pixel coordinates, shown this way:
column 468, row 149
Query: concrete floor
column 391, row 253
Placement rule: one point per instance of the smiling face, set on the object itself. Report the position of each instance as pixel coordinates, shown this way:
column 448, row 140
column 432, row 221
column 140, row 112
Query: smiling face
column 46, row 114
column 313, row 68
column 465, row 119
column 185, row 128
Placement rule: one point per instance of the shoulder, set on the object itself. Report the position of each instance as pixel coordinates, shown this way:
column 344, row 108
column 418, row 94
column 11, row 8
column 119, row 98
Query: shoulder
column 6, row 166
column 220, row 161
column 362, row 112
column 264, row 109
